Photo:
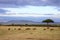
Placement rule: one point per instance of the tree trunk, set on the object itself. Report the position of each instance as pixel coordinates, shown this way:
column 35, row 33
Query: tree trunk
column 47, row 25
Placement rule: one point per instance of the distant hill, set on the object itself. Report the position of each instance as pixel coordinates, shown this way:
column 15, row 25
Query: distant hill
column 25, row 22
column 20, row 22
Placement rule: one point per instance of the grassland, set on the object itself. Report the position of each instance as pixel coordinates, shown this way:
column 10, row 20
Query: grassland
column 29, row 33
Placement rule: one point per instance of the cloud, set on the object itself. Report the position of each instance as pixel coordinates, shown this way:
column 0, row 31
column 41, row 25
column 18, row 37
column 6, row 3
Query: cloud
column 21, row 15
column 8, row 6
column 30, row 15
column 54, row 2
column 48, row 14
column 32, row 11
column 3, row 11
column 16, row 3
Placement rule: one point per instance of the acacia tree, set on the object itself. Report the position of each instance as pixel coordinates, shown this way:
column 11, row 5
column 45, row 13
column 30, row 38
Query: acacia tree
column 48, row 21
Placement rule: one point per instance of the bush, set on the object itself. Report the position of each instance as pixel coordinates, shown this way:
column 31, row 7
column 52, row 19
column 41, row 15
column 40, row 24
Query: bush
column 26, row 24
column 51, row 29
column 19, row 28
column 44, row 29
column 34, row 28
column 8, row 28
column 27, row 28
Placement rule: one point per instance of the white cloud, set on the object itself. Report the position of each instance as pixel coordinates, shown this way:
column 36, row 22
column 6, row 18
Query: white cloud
column 34, row 11
column 21, row 15
column 30, row 15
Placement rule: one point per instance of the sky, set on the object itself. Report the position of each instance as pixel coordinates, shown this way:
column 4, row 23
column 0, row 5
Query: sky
column 18, row 9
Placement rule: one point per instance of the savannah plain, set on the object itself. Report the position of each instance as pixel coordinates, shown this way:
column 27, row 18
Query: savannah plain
column 29, row 33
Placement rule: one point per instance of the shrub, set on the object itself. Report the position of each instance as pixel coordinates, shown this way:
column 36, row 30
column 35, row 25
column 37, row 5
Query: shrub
column 8, row 28
column 19, row 28
column 44, row 29
column 27, row 28
column 34, row 28
column 26, row 24
column 51, row 29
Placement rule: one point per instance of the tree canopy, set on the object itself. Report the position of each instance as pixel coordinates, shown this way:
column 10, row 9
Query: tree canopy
column 48, row 21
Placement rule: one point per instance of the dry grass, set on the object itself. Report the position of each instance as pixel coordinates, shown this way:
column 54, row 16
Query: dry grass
column 35, row 33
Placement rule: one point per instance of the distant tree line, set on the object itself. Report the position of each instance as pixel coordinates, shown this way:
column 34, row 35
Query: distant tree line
column 44, row 25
